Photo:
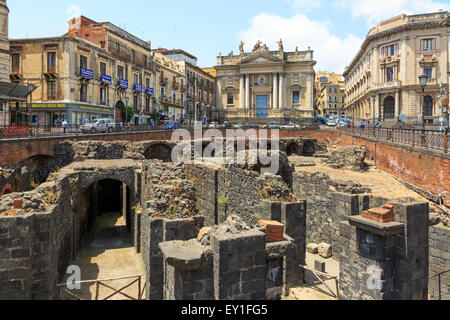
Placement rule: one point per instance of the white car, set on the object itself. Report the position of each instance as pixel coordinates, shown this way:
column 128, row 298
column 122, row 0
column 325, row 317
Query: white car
column 290, row 126
column 331, row 123
column 214, row 125
column 99, row 125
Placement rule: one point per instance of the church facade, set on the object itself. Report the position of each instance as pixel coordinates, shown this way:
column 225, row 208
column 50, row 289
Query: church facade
column 264, row 86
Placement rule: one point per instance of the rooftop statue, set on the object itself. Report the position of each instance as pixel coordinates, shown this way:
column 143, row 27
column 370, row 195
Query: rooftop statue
column 280, row 45
column 257, row 45
column 241, row 48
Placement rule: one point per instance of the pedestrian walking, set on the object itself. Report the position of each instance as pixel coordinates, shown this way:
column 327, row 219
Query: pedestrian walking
column 64, row 125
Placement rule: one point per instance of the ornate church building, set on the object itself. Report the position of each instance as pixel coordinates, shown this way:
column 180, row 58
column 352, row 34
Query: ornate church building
column 264, row 86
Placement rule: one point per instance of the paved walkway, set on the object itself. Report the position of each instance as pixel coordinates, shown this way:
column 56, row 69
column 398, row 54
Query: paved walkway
column 109, row 255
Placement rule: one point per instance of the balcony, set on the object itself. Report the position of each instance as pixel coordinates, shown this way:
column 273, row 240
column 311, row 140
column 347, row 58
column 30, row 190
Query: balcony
column 387, row 85
column 164, row 82
column 123, row 54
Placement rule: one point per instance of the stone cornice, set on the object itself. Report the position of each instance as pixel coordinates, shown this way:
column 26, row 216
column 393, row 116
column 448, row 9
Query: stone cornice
column 386, row 33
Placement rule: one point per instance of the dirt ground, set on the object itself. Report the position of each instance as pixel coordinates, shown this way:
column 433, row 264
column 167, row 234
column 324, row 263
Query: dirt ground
column 109, row 255
column 320, row 291
column 382, row 183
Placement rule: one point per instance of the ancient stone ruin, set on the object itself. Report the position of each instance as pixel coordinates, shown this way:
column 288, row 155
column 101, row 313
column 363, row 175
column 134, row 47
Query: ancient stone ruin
column 209, row 231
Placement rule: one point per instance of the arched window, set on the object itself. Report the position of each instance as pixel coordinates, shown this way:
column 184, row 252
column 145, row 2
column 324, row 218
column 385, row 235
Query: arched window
column 428, row 106
column 389, row 108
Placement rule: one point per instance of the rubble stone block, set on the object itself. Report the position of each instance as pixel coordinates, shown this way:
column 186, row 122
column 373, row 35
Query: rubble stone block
column 204, row 231
column 319, row 265
column 312, row 248
column 325, row 250
column 17, row 203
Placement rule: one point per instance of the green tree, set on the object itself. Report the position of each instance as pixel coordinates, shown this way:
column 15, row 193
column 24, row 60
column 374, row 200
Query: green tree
column 128, row 114
column 155, row 115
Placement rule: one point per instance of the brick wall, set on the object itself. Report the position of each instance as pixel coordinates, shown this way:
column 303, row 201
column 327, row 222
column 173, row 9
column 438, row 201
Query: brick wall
column 425, row 169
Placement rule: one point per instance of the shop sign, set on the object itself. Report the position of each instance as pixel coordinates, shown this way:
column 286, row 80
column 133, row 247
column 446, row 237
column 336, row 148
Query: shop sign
column 123, row 83
column 86, row 73
column 106, row 79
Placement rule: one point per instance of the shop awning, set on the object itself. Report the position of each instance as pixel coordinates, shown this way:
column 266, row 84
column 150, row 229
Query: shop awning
column 15, row 91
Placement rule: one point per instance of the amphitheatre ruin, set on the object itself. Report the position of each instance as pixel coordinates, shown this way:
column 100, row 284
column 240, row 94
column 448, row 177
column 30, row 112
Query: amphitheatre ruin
column 329, row 224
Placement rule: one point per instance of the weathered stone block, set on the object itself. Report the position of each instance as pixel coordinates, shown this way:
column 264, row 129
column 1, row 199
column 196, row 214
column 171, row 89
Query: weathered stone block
column 325, row 250
column 312, row 248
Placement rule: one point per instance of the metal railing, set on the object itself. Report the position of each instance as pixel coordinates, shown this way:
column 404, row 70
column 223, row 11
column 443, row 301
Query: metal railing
column 438, row 276
column 429, row 139
column 62, row 288
column 12, row 132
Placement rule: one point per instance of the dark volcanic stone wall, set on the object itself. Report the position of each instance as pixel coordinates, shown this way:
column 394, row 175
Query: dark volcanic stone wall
column 439, row 262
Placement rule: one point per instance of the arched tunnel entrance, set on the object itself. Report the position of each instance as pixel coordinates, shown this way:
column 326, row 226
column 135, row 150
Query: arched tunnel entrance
column 107, row 211
column 308, row 148
column 104, row 212
column 292, row 149
column 159, row 151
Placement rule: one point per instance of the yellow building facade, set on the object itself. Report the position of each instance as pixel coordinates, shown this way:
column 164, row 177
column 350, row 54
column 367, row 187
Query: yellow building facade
column 330, row 93
column 170, row 87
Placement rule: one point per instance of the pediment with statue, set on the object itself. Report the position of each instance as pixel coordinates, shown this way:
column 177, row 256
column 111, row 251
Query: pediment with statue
column 260, row 57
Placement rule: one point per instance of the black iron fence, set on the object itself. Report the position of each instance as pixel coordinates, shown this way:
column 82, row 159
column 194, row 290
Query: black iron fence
column 437, row 277
column 435, row 140
column 10, row 132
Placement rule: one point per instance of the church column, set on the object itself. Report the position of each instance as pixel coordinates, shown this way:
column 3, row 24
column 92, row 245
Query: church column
column 281, row 92
column 275, row 91
column 242, row 92
column 219, row 94
column 247, row 91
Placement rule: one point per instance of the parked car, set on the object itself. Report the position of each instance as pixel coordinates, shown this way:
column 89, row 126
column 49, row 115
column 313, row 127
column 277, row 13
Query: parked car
column 173, row 125
column 272, row 125
column 342, row 123
column 251, row 126
column 238, row 126
column 291, row 126
column 331, row 123
column 99, row 126
column 214, row 125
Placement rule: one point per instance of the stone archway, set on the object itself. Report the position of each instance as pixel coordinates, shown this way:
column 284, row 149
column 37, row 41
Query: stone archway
column 292, row 149
column 158, row 151
column 308, row 148
column 389, row 108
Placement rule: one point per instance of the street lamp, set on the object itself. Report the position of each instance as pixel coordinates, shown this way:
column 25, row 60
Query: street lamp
column 373, row 109
column 423, row 82
column 442, row 92
column 126, row 113
column 31, row 88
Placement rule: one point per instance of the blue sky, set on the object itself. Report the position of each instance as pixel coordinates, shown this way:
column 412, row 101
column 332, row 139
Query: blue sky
column 334, row 29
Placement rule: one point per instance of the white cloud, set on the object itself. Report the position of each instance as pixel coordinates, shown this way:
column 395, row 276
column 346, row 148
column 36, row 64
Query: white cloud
column 376, row 11
column 332, row 53
column 306, row 5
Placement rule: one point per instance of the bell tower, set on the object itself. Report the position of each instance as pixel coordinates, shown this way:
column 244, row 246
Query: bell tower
column 4, row 42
